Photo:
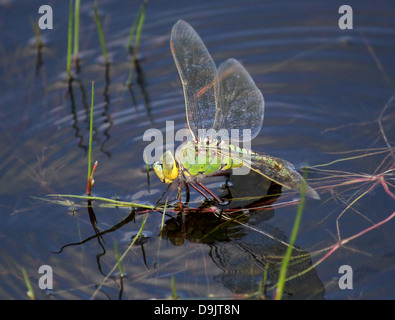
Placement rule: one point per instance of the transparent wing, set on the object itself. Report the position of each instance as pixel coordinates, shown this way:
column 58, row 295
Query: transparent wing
column 198, row 75
column 241, row 104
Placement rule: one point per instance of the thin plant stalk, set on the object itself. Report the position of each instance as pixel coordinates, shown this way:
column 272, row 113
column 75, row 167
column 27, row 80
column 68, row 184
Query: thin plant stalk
column 163, row 217
column 263, row 282
column 161, row 231
column 91, row 181
column 69, row 43
column 117, row 258
column 91, row 172
column 39, row 44
column 136, row 43
column 29, row 292
column 132, row 32
column 288, row 253
column 36, row 31
column 99, row 29
column 173, row 289
column 148, row 169
column 139, row 233
column 91, row 130
column 110, row 201
column 76, row 28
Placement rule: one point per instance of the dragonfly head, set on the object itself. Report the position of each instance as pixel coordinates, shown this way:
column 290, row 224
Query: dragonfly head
column 166, row 168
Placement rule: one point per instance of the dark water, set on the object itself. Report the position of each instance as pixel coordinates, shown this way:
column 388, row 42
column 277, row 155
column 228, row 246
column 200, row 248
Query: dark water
column 327, row 95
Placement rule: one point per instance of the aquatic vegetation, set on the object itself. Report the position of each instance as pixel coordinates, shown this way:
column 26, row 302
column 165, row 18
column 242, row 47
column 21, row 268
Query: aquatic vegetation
column 100, row 31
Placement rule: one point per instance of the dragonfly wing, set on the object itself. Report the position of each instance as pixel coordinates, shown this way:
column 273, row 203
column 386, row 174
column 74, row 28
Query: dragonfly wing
column 198, row 75
column 241, row 102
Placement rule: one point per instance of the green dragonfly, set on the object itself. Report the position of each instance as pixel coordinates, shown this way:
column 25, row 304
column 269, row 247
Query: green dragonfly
column 219, row 104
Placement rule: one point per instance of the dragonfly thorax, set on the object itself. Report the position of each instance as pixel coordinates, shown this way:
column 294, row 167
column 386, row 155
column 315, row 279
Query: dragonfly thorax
column 196, row 159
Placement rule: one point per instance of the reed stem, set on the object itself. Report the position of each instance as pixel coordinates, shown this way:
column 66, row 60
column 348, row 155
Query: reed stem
column 76, row 28
column 141, row 19
column 288, row 253
column 29, row 292
column 99, row 29
column 118, row 259
column 91, row 131
column 69, row 43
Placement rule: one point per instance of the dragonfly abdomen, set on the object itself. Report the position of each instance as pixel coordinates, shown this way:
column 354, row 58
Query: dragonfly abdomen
column 234, row 156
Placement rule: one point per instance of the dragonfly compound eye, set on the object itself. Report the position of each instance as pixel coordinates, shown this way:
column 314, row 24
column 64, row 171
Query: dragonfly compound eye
column 170, row 169
column 157, row 166
column 166, row 168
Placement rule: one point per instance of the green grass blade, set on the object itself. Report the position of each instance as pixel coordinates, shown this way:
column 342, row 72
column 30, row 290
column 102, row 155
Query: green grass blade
column 36, row 31
column 76, row 28
column 163, row 217
column 91, row 132
column 148, row 170
column 132, row 32
column 69, row 43
column 288, row 253
column 139, row 233
column 29, row 292
column 99, row 30
column 117, row 258
column 137, row 43
column 111, row 201
column 173, row 289
column 263, row 282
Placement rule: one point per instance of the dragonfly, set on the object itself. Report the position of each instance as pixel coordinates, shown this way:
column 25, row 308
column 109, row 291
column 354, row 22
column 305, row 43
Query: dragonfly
column 220, row 104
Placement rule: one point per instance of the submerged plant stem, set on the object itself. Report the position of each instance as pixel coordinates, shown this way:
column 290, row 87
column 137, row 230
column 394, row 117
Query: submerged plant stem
column 91, row 131
column 69, row 43
column 133, row 28
column 122, row 257
column 288, row 253
column 115, row 202
column 29, row 292
column 137, row 41
column 99, row 29
column 76, row 28
column 90, row 181
column 117, row 258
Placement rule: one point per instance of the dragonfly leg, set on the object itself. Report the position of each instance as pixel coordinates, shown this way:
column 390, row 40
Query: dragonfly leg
column 198, row 190
column 220, row 174
column 188, row 194
column 164, row 192
column 179, row 193
column 197, row 185
column 227, row 178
